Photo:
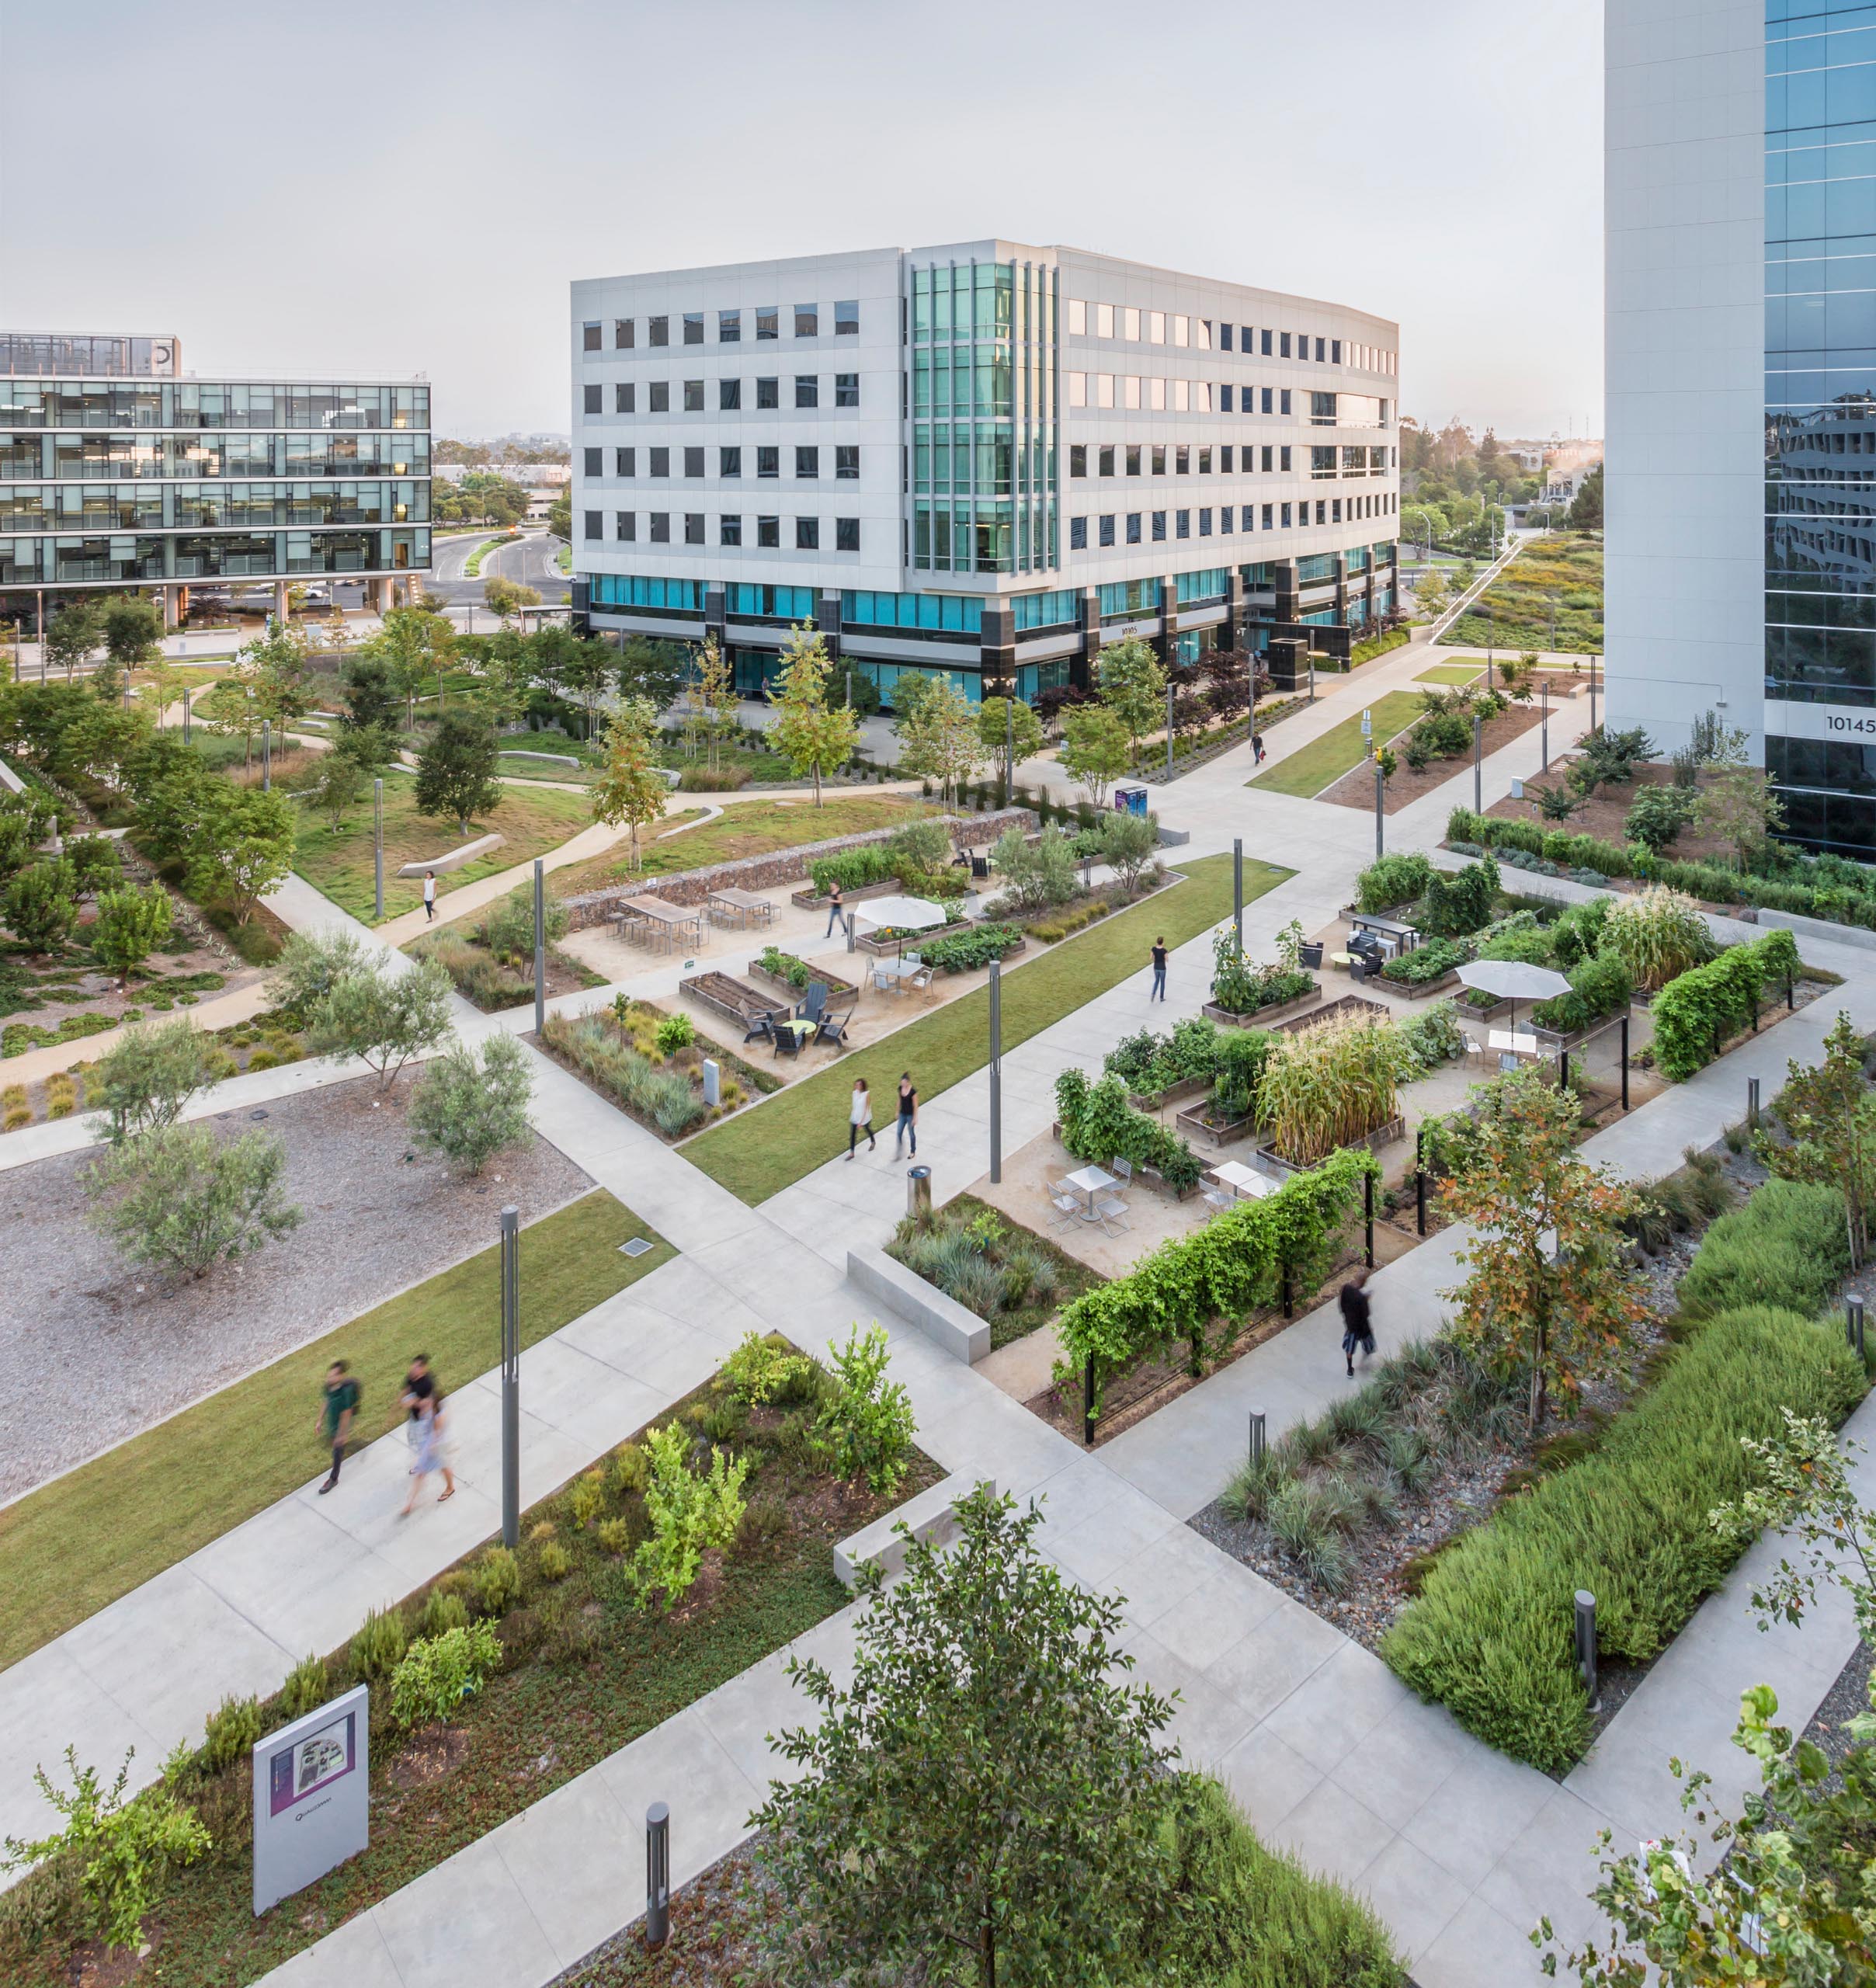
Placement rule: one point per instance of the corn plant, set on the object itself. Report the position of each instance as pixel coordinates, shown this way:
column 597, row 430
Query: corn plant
column 1329, row 1086
column 1658, row 934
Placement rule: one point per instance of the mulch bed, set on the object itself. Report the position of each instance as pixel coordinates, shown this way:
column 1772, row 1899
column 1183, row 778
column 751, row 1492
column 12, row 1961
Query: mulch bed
column 1356, row 789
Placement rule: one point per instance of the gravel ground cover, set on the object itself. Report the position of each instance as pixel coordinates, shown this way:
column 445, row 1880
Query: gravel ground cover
column 98, row 1350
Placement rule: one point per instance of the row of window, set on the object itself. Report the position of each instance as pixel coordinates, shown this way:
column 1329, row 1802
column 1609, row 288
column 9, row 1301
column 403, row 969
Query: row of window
column 198, row 403
column 28, row 456
column 187, row 556
column 1145, row 527
column 693, row 393
column 132, row 507
column 693, row 527
column 1149, row 394
column 729, row 462
column 1154, row 459
column 807, row 318
column 1138, row 327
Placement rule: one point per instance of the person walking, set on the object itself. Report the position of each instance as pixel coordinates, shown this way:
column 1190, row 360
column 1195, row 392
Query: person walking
column 1159, row 970
column 908, row 1126
column 860, row 1117
column 1357, row 1327
column 835, row 915
column 1257, row 748
column 338, row 1406
column 429, row 894
column 424, row 1400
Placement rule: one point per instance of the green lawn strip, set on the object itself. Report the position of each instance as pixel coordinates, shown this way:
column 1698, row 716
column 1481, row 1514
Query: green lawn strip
column 1323, row 761
column 531, row 820
column 78, row 1543
column 761, row 1150
column 472, row 566
column 1452, row 673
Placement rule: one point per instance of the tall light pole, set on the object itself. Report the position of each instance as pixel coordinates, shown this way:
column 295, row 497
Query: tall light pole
column 996, row 1072
column 540, row 946
column 1238, row 891
column 511, row 1377
column 1379, row 810
column 1478, row 766
column 1593, row 662
column 1543, row 719
column 1009, row 746
column 1168, row 732
column 377, row 847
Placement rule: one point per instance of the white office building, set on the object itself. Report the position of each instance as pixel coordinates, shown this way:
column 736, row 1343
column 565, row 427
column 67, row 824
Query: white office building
column 1740, row 475
column 985, row 459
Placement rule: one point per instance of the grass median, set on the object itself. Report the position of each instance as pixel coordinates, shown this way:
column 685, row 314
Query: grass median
column 78, row 1543
column 759, row 1152
column 1452, row 673
column 1306, row 771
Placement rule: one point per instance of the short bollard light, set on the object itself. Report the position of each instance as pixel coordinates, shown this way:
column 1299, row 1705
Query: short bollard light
column 1258, row 1437
column 657, row 1874
column 713, row 1083
column 1586, row 1643
column 1752, row 1103
column 1852, row 1322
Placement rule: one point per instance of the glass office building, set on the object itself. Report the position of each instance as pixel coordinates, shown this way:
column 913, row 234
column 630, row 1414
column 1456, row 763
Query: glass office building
column 117, row 470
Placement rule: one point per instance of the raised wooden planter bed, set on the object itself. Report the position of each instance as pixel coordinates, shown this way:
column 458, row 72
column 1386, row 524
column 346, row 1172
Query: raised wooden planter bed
column 1157, row 1100
column 1351, row 1007
column 1195, row 1124
column 835, row 984
column 887, row 886
column 1383, row 1135
column 1422, row 990
column 1263, row 1017
column 730, row 998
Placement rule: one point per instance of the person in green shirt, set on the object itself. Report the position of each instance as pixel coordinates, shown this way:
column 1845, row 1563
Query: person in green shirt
column 337, row 1407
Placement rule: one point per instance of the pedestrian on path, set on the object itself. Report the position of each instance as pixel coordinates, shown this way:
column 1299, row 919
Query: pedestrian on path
column 1357, row 1327
column 338, row 1405
column 834, row 916
column 424, row 1399
column 908, row 1116
column 860, row 1118
column 1257, row 748
column 1159, row 970
column 429, row 894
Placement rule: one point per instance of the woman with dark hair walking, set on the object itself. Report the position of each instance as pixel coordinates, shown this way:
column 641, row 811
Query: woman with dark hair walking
column 1357, row 1327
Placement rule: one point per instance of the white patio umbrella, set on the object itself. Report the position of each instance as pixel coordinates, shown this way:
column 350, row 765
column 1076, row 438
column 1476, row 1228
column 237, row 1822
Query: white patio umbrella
column 909, row 914
column 1513, row 980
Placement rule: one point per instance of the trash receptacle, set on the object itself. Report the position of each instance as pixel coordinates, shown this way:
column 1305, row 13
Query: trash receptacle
column 918, row 1191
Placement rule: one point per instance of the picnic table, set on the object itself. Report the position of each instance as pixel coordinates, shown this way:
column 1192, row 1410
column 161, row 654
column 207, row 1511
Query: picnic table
column 1244, row 1181
column 740, row 909
column 660, row 921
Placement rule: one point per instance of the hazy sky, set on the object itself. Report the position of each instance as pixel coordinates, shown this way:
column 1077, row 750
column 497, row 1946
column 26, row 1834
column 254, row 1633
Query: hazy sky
column 408, row 187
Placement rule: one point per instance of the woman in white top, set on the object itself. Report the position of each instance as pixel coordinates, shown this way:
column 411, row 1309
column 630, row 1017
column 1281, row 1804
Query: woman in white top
column 860, row 1118
column 430, row 894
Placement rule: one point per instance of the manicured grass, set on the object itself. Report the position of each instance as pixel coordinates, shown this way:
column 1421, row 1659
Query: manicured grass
column 519, row 766
column 563, row 559
column 472, row 566
column 531, row 820
column 745, row 828
column 79, row 1542
column 766, row 1149
column 1323, row 761
column 1452, row 673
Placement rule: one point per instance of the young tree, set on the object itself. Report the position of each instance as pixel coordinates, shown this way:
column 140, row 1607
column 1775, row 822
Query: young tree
column 938, row 736
column 131, row 924
column 469, row 1111
column 1736, row 805
column 311, row 965
column 588, row 672
column 167, row 685
column 1830, row 1117
column 712, row 695
column 1132, row 686
column 180, row 1199
column 230, row 707
column 280, row 674
column 145, row 1081
column 72, row 633
column 371, row 703
column 169, row 809
column 42, row 906
column 414, row 647
column 133, row 637
column 631, row 789
column 506, row 597
column 456, row 769
column 99, row 743
column 244, row 845
column 384, row 1017
column 1095, row 750
column 338, row 783
column 994, row 718
column 814, row 736
column 986, row 1777
column 653, row 669
column 1129, row 843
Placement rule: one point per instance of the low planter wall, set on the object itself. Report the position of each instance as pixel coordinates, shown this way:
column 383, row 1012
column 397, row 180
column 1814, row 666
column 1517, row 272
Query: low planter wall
column 1263, row 1017
column 931, row 1516
column 1194, row 1125
column 1383, row 1135
column 726, row 997
column 1351, row 1007
column 1157, row 1100
column 968, row 832
column 763, row 978
column 1421, row 990
column 943, row 1321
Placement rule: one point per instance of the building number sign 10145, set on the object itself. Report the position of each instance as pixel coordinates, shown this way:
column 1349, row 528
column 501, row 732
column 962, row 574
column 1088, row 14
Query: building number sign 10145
column 1840, row 722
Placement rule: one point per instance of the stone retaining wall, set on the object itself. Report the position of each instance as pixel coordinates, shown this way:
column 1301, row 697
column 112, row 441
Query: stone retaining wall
column 781, row 865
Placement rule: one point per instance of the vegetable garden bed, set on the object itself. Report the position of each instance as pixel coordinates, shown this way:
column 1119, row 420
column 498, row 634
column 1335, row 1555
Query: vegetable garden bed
column 616, row 1051
column 1267, row 1015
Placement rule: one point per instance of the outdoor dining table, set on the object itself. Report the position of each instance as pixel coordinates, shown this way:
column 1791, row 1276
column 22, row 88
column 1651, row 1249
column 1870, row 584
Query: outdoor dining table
column 1514, row 1039
column 1090, row 1181
column 1244, row 1181
column 668, row 919
column 741, row 908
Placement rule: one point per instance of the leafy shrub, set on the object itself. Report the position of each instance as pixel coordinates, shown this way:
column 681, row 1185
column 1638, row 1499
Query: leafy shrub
column 978, row 1262
column 230, row 1732
column 554, row 1561
column 1429, row 1037
column 307, row 1688
column 1393, row 880
column 1685, row 1199
column 674, row 1032
column 1242, row 988
column 469, row 1110
column 1699, row 1009
column 586, row 1498
column 865, row 1427
column 497, row 1579
column 1430, row 962
column 630, row 1471
column 963, row 951
column 1788, row 1245
column 1099, row 1124
column 443, row 1610
column 41, row 905
column 1490, row 1635
column 1452, row 906
column 689, row 1514
column 761, row 1371
column 615, row 1535
column 872, row 863
column 1242, row 1054
column 595, row 1046
column 178, row 1198
column 378, row 1648
column 1599, row 985
column 438, row 1672
column 1657, row 816
column 1148, row 1064
column 507, row 926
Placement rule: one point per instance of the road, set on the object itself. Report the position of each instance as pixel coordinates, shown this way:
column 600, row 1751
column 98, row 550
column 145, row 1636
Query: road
column 528, row 561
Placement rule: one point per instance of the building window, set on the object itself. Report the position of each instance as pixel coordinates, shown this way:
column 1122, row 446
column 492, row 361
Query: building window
column 729, row 395
column 768, row 532
column 768, row 462
column 846, row 534
column 658, row 331
column 847, row 390
column 1204, row 462
column 693, row 462
column 624, row 333
column 1318, row 351
column 807, row 390
column 1283, row 398
column 1225, row 521
column 807, row 321
column 1104, row 320
column 694, row 396
column 1335, row 351
column 595, row 461
column 768, row 322
column 660, row 399
column 1283, row 344
column 1181, row 524
column 846, row 462
column 1283, row 461
column 807, row 462
column 1322, row 506
column 693, row 327
column 729, row 530
column 1182, row 460
column 592, row 400
column 1156, row 327
column 1286, row 520
column 1182, row 331
column 1133, row 527
column 693, row 527
column 595, row 524
column 589, row 335
column 1266, row 517
column 1078, row 318
column 1107, row 522
column 1267, row 457
column 1160, row 525
column 1133, row 459
column 1078, row 459
column 1159, row 459
column 768, row 393
column 1205, row 522
column 729, row 462
column 1224, row 459
column 625, row 462
column 625, row 525
column 661, row 527
column 846, row 319
column 1106, row 464
column 1225, row 395
column 808, row 534
column 1269, row 404
column 729, row 331
column 1078, row 534
column 625, row 397
column 661, row 462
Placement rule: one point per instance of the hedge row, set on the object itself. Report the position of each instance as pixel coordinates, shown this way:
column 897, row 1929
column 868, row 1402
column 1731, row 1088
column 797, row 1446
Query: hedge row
column 1789, row 1245
column 1698, row 1009
column 1490, row 1635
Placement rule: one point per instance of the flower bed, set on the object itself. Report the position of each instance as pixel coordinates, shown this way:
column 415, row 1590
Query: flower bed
column 649, row 1064
column 1297, row 993
column 1216, row 1128
column 1433, row 964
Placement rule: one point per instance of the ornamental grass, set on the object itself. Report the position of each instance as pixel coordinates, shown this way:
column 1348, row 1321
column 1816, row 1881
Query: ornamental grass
column 1658, row 934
